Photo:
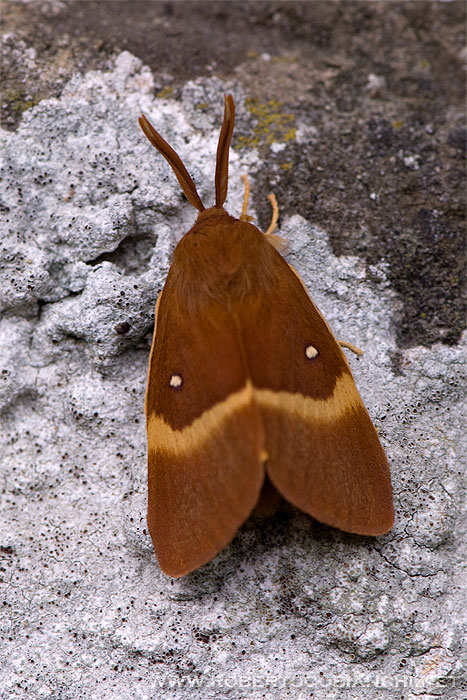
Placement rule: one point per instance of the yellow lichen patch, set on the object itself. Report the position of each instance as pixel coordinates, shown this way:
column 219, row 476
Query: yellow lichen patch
column 18, row 102
column 272, row 124
column 165, row 92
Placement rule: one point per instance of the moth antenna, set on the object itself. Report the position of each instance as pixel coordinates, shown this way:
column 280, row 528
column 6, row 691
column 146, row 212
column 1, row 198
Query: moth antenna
column 175, row 162
column 222, row 160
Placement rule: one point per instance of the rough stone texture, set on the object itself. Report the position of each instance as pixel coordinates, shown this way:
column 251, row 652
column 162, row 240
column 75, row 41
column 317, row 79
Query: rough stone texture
column 90, row 216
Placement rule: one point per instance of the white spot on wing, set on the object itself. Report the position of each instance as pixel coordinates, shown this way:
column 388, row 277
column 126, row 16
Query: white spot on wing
column 311, row 352
column 175, row 380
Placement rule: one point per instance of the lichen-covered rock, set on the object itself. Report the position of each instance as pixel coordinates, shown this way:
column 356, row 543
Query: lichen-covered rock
column 290, row 608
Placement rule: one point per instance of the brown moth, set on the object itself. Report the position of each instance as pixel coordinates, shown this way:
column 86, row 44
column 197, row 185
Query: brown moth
column 247, row 386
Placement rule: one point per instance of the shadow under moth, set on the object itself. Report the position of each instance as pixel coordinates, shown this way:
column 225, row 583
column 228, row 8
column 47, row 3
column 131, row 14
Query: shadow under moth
column 248, row 388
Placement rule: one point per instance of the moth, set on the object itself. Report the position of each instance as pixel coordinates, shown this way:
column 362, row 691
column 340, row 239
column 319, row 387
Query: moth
column 248, row 387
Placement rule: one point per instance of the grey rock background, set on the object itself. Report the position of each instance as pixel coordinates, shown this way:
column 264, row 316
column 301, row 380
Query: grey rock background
column 353, row 114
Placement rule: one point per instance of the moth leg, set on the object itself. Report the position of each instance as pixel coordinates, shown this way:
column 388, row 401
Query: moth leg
column 277, row 242
column 244, row 216
column 275, row 214
column 349, row 346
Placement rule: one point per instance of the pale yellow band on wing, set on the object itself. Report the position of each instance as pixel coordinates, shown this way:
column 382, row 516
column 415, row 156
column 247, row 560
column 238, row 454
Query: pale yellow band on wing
column 179, row 442
column 162, row 437
column 344, row 397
